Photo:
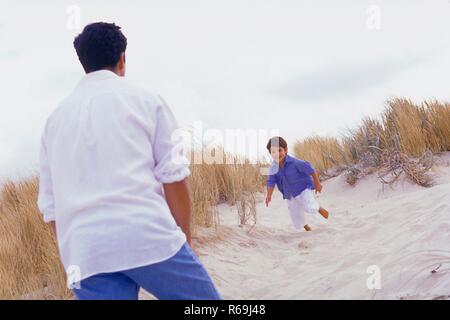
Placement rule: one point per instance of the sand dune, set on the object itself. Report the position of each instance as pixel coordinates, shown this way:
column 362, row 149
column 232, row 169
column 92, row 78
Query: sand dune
column 403, row 231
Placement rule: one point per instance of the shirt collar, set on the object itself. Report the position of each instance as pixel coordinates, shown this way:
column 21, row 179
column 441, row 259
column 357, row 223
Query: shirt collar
column 274, row 167
column 97, row 75
column 288, row 159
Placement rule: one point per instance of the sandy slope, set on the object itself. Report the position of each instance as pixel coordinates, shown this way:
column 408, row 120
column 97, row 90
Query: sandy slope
column 405, row 231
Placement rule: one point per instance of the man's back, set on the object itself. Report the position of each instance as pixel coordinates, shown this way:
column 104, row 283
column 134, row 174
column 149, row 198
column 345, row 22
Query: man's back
column 107, row 149
column 106, row 154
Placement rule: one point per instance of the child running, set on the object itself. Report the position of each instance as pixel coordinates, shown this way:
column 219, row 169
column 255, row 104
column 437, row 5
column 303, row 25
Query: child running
column 296, row 179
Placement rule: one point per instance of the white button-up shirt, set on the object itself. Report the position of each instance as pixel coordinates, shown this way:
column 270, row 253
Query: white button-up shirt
column 105, row 152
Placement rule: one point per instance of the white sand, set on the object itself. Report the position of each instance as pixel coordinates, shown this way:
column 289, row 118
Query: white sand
column 404, row 231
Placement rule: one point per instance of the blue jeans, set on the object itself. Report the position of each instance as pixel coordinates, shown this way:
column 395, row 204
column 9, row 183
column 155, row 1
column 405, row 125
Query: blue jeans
column 181, row 277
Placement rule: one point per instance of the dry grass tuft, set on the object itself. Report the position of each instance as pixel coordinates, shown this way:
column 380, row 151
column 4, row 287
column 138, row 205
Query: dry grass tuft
column 235, row 181
column 324, row 152
column 29, row 260
column 398, row 143
column 395, row 163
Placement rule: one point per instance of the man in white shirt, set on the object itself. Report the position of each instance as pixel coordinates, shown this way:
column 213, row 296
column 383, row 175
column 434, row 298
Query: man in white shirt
column 106, row 157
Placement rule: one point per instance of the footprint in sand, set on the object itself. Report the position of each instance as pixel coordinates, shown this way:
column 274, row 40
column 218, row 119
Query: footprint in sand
column 248, row 244
column 303, row 245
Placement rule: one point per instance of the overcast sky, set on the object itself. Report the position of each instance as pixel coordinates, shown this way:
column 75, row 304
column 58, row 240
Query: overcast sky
column 299, row 67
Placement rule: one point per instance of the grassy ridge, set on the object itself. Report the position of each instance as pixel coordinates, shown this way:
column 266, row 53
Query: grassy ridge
column 405, row 131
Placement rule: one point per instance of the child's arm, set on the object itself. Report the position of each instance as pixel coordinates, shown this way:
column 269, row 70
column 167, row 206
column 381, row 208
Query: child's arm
column 269, row 195
column 317, row 184
column 270, row 183
column 179, row 201
column 306, row 168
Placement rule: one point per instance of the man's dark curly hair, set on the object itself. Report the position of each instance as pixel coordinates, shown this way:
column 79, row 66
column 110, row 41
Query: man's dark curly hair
column 99, row 46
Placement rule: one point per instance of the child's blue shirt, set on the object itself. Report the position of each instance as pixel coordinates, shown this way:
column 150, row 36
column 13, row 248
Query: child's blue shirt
column 292, row 178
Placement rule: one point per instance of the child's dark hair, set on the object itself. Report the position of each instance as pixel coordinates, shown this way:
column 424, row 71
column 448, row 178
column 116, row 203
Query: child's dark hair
column 277, row 141
column 99, row 46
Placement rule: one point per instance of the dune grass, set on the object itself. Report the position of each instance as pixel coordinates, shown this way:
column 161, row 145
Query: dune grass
column 29, row 260
column 234, row 180
column 398, row 142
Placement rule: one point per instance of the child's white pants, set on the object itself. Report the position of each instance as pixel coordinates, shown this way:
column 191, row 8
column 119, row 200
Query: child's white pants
column 304, row 202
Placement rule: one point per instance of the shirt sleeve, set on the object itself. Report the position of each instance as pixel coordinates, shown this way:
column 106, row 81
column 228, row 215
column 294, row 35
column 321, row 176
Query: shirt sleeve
column 305, row 167
column 272, row 181
column 170, row 164
column 45, row 201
